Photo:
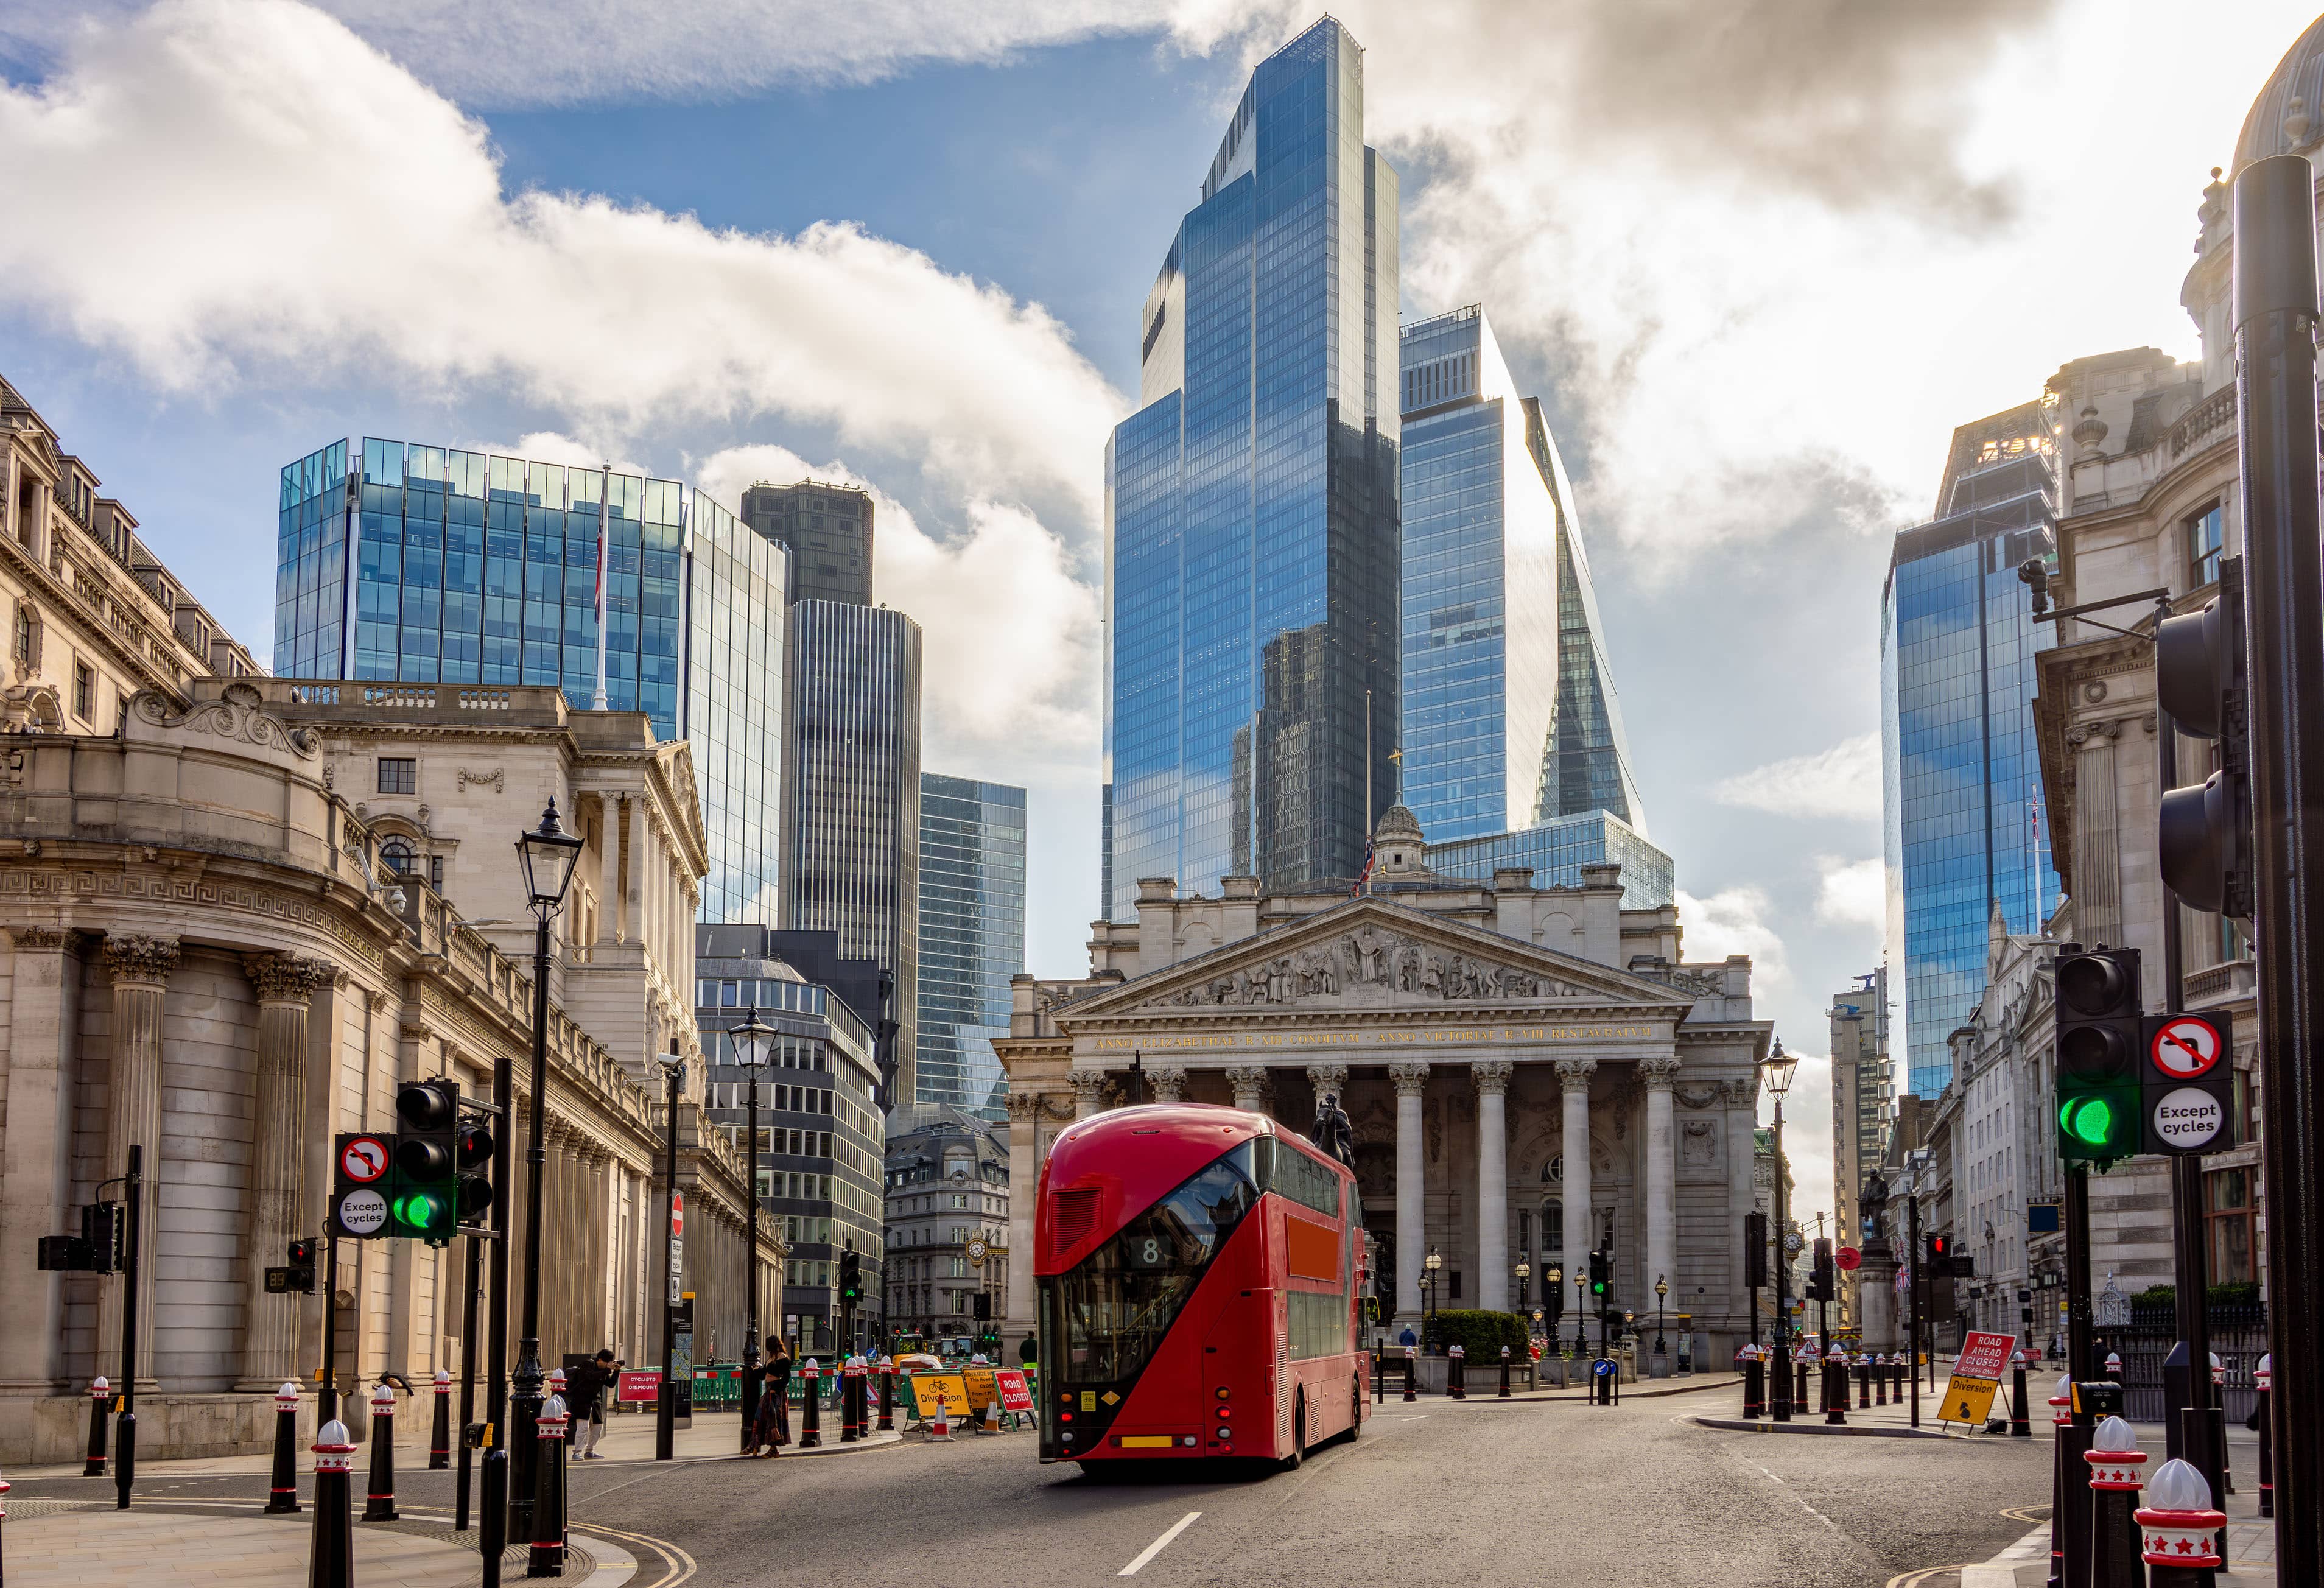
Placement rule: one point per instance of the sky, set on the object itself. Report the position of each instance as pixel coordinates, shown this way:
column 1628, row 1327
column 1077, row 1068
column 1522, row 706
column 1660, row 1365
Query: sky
column 1757, row 257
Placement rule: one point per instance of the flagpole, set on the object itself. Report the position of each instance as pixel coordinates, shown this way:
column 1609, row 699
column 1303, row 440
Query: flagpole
column 605, row 519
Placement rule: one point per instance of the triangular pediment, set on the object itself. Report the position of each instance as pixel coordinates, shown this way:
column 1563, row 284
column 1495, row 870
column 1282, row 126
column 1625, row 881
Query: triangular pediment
column 1371, row 956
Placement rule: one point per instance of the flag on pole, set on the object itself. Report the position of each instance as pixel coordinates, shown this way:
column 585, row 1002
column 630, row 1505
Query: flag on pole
column 1364, row 877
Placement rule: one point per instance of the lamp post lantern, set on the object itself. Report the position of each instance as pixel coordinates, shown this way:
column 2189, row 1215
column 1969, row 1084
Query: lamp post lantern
column 754, row 1047
column 1580, row 1311
column 547, row 855
column 1429, row 1267
column 1525, row 1285
column 1662, row 1293
column 1552, row 1298
column 1777, row 1071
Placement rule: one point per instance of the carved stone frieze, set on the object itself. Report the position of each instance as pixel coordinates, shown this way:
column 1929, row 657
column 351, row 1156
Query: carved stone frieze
column 1328, row 1078
column 1024, row 1105
column 1389, row 963
column 238, row 713
column 495, row 779
column 1657, row 1074
column 40, row 937
column 1573, row 1073
column 1248, row 1080
column 1169, row 1081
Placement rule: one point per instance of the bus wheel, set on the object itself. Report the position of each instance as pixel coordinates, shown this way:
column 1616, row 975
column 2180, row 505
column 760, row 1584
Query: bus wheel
column 1298, row 1432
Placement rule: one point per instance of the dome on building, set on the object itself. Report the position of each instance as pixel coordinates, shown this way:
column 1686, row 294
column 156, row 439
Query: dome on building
column 2288, row 116
column 1398, row 822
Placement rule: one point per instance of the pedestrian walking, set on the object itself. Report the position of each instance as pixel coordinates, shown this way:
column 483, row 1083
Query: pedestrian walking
column 772, row 1431
column 584, row 1398
column 1408, row 1339
column 1028, row 1352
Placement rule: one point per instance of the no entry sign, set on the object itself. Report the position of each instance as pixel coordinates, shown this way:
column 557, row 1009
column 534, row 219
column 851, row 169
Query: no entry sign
column 1848, row 1258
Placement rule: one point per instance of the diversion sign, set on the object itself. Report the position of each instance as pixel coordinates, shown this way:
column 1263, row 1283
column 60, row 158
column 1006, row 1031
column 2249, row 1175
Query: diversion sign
column 1977, row 1374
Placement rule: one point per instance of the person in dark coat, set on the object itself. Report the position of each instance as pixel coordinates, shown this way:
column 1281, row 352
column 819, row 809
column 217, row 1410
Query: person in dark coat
column 585, row 1400
column 772, row 1431
column 1029, row 1352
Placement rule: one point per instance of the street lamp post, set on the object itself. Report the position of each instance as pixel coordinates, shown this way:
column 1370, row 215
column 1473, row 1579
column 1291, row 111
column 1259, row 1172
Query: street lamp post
column 1524, row 1285
column 1915, row 1164
column 547, row 854
column 754, row 1043
column 1552, row 1298
column 673, row 1069
column 1580, row 1312
column 1778, row 1071
column 1662, row 1292
column 1429, row 1266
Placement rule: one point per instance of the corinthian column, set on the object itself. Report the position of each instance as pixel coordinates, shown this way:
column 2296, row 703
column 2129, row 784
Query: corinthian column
column 1024, row 1177
column 1330, row 1080
column 270, row 1334
column 1169, row 1083
column 1250, row 1084
column 1662, row 1176
column 1581, row 1236
column 1411, row 1079
column 1089, row 1092
column 1491, row 1079
column 140, row 968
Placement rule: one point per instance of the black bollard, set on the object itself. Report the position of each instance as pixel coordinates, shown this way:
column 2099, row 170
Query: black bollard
column 2062, row 1419
column 1880, row 1380
column 1903, row 1369
column 1800, row 1387
column 547, row 1558
column 2020, row 1424
column 2180, row 1531
column 1755, row 1384
column 440, row 1441
column 3, row 1528
column 1864, row 1383
column 887, row 1393
column 847, row 1378
column 1411, row 1390
column 1505, row 1374
column 1456, row 1377
column 2266, row 1379
column 379, row 1507
column 332, row 1563
column 2114, row 1462
column 100, row 1395
column 2113, row 1366
column 1835, row 1391
column 282, row 1498
column 810, row 1406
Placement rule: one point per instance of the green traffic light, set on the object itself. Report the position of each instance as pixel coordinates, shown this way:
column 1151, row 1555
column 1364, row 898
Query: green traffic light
column 2090, row 1120
column 425, row 1212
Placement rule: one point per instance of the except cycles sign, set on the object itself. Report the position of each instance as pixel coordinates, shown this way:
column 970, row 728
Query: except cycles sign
column 2188, row 1083
column 2188, row 1118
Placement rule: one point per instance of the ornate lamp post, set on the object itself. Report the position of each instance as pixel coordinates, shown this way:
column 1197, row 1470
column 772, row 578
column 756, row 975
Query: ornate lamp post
column 754, row 1045
column 1525, row 1285
column 1580, row 1311
column 1551, row 1297
column 1662, row 1293
column 1429, row 1266
column 1777, row 1071
column 548, row 855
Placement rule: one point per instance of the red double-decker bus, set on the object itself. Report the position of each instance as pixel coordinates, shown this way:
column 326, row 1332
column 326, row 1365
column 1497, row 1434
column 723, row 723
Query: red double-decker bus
column 1202, row 1274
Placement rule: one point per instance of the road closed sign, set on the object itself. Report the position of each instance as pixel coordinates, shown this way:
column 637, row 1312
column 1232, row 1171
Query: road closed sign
column 1977, row 1374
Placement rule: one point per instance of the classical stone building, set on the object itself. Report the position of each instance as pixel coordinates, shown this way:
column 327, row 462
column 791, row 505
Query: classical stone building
column 213, row 952
column 1530, row 1071
column 947, row 1173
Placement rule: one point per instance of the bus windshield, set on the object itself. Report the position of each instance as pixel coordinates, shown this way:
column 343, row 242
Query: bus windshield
column 1111, row 1309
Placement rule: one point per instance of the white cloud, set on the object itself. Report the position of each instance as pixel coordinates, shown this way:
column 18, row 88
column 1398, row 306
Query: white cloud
column 235, row 190
column 1843, row 781
column 1852, row 892
column 1734, row 920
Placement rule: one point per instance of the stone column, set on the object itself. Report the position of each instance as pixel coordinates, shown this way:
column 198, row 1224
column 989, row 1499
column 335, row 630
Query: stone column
column 1662, row 1180
column 278, row 1210
column 1573, row 1074
column 1169, row 1083
column 609, row 871
column 1023, row 1175
column 1411, row 1079
column 36, row 1153
column 1250, row 1084
column 1089, row 1092
column 1491, row 1079
column 140, row 968
column 1742, row 1193
column 1330, row 1080
column 627, row 839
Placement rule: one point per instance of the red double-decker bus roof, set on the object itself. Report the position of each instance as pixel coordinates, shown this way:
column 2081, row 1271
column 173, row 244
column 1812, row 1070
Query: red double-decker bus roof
column 1126, row 1159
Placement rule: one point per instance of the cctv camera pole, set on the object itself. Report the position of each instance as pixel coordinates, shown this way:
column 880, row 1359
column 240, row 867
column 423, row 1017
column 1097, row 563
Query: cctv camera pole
column 2275, row 312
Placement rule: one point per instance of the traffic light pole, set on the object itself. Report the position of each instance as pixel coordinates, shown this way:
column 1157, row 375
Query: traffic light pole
column 666, row 1403
column 1920, row 1261
column 2275, row 310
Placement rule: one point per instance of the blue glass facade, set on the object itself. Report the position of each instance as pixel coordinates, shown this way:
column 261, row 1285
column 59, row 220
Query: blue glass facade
column 430, row 565
column 1961, row 775
column 1252, row 507
column 972, row 937
column 1557, row 849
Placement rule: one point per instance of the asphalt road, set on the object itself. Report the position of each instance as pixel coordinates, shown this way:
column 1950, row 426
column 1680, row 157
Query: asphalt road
column 1467, row 1495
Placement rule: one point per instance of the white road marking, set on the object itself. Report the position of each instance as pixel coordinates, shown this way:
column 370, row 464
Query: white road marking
column 1159, row 1546
column 1805, row 1506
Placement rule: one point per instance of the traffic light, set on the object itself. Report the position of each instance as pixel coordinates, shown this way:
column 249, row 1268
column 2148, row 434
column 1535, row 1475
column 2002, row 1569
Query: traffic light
column 423, row 1199
column 851, row 1278
column 2204, row 832
column 2099, row 1029
column 472, row 1163
column 1941, row 1257
column 981, row 1306
column 1755, row 1251
column 298, row 1275
column 1601, row 1274
column 96, row 1250
column 1820, row 1277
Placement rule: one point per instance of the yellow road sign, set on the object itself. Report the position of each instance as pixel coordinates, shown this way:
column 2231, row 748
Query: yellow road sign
column 928, row 1388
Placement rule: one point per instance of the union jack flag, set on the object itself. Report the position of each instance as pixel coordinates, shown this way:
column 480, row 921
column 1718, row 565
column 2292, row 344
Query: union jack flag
column 1365, row 876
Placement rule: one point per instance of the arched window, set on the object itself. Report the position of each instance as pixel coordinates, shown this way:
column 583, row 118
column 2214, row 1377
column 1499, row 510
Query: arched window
column 396, row 855
column 26, row 645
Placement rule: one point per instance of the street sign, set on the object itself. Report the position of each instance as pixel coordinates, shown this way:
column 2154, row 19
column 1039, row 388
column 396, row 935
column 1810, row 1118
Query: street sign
column 1977, row 1374
column 1848, row 1258
column 1015, row 1394
column 950, row 1389
column 2184, row 1045
column 677, row 1216
column 640, row 1385
column 2188, row 1118
column 365, row 1158
column 361, row 1212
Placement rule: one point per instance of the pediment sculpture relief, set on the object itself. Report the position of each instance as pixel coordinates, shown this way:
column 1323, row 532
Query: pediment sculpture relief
column 1374, row 965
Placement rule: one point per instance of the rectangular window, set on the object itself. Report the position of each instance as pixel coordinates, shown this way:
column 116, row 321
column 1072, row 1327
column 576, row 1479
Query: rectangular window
column 84, row 692
column 2228, row 1220
column 398, row 774
column 2205, row 540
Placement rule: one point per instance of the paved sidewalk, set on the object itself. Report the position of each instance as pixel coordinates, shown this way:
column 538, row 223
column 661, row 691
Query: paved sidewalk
column 71, row 1544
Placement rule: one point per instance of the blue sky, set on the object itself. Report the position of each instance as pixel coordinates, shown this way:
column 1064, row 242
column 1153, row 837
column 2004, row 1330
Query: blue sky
column 1758, row 258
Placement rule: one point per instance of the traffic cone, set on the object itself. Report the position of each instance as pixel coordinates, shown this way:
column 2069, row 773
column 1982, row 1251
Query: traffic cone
column 942, row 1427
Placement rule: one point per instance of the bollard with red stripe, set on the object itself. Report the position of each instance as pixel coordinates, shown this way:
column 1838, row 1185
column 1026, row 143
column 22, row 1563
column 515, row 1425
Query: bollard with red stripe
column 380, row 1502
column 100, row 1397
column 887, row 1393
column 439, row 1440
column 283, row 1497
column 2265, row 1379
column 810, row 1406
column 2060, row 1419
column 1754, row 1383
column 1835, row 1389
column 1864, row 1381
column 2113, row 1366
column 1411, row 1390
column 2020, row 1426
column 332, row 1564
column 2178, row 1529
column 547, row 1558
column 2116, row 1466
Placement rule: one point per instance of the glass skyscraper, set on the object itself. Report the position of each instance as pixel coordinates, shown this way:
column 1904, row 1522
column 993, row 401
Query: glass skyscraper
column 1251, row 530
column 1556, row 850
column 431, row 565
column 854, row 827
column 1963, row 780
column 972, row 937
column 1510, row 711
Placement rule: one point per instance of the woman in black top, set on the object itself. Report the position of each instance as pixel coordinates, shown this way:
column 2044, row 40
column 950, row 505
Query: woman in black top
column 772, row 1431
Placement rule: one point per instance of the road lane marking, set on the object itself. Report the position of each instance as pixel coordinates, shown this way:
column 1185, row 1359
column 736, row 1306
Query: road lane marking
column 1159, row 1546
column 1805, row 1506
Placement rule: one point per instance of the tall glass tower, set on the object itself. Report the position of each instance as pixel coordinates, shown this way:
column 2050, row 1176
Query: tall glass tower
column 429, row 565
column 1510, row 711
column 972, row 937
column 1961, row 775
column 1251, row 529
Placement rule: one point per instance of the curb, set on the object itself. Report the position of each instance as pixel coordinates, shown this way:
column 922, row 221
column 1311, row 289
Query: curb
column 1858, row 1430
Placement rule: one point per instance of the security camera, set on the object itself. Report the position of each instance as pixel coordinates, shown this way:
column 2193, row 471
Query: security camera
column 2035, row 572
